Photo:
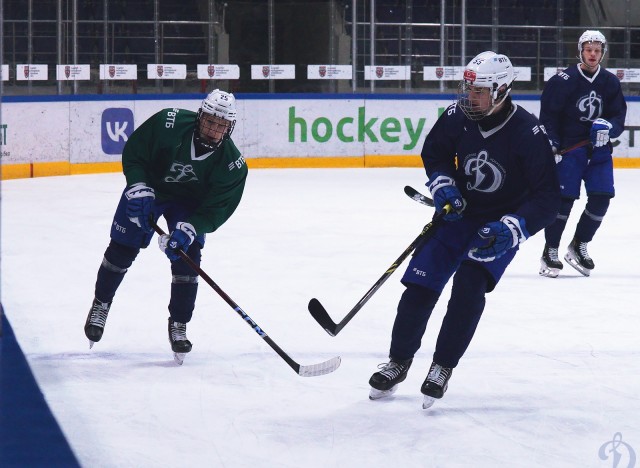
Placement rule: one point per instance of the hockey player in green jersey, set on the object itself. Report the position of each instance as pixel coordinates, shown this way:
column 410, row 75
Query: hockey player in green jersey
column 183, row 166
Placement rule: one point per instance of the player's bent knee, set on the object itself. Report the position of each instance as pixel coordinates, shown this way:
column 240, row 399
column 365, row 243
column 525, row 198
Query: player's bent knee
column 121, row 256
column 597, row 205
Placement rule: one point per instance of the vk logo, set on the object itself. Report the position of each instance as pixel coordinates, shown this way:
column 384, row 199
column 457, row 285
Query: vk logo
column 117, row 125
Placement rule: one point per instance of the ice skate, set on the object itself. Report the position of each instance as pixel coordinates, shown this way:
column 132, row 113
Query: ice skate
column 578, row 257
column 550, row 264
column 180, row 345
column 385, row 382
column 96, row 320
column 435, row 385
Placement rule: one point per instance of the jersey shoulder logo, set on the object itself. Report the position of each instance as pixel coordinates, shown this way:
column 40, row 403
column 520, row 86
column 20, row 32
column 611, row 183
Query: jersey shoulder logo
column 488, row 175
column 237, row 163
column 539, row 128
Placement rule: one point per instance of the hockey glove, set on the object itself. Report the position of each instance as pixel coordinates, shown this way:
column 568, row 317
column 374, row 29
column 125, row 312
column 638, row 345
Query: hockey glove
column 180, row 239
column 600, row 132
column 443, row 190
column 140, row 204
column 499, row 236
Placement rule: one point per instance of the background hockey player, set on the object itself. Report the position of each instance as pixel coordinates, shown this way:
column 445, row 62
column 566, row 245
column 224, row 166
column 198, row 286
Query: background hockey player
column 492, row 162
column 184, row 166
column 584, row 102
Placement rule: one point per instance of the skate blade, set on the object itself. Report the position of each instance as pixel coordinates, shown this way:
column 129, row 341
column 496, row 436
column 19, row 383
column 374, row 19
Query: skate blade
column 427, row 402
column 179, row 357
column 547, row 271
column 376, row 394
column 571, row 260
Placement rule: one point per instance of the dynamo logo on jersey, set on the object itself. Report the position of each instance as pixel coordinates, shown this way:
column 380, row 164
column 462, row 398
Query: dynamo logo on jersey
column 590, row 106
column 487, row 174
column 116, row 127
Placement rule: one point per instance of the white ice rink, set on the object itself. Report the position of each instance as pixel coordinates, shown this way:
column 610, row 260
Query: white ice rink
column 551, row 376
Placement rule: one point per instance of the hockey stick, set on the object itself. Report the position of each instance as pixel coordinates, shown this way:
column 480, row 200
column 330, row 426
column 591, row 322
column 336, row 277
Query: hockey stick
column 312, row 370
column 417, row 196
column 580, row 144
column 321, row 315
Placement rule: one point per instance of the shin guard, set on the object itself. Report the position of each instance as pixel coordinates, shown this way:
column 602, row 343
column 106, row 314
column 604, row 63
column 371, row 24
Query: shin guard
column 414, row 310
column 115, row 263
column 184, row 286
column 553, row 232
column 470, row 283
column 592, row 216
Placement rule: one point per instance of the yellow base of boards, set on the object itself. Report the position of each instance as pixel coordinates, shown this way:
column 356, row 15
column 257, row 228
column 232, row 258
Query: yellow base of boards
column 45, row 169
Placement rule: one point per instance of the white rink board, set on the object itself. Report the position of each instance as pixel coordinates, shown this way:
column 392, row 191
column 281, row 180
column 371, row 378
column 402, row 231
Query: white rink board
column 266, row 128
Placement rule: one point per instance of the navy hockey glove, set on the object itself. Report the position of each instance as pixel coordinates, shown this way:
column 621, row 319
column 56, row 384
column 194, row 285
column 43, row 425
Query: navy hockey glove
column 443, row 190
column 499, row 236
column 180, row 239
column 140, row 204
column 600, row 132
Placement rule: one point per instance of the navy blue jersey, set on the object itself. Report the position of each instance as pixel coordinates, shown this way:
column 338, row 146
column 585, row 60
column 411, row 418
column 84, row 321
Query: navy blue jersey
column 509, row 169
column 571, row 101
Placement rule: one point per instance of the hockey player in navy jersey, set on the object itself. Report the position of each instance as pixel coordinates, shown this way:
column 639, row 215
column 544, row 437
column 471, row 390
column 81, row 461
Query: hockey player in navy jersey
column 183, row 166
column 583, row 103
column 491, row 161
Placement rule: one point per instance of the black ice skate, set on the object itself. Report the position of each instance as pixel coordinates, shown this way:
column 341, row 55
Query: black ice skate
column 435, row 384
column 96, row 320
column 550, row 264
column 385, row 382
column 578, row 257
column 180, row 345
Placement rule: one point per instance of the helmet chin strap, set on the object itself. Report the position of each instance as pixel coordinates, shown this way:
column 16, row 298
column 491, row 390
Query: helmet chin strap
column 205, row 147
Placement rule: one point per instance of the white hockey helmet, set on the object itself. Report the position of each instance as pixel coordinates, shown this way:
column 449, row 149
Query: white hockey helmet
column 485, row 70
column 210, row 133
column 592, row 36
column 220, row 104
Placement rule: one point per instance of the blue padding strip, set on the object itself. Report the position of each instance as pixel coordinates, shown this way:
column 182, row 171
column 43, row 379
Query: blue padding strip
column 29, row 433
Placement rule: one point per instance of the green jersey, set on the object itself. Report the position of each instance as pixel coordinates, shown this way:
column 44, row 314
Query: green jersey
column 161, row 154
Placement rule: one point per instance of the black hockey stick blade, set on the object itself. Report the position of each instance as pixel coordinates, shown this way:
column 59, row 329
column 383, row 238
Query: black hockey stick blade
column 321, row 315
column 417, row 196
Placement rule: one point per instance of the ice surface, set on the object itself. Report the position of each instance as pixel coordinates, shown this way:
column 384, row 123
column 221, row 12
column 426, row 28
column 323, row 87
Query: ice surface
column 550, row 377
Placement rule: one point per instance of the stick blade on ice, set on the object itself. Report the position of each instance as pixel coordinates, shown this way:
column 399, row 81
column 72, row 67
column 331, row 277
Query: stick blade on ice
column 322, row 368
column 320, row 314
